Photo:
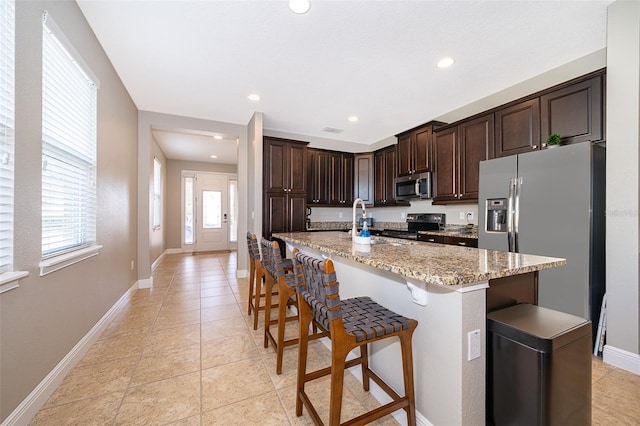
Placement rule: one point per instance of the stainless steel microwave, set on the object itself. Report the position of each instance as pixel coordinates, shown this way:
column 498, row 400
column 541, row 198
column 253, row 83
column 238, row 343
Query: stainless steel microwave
column 415, row 186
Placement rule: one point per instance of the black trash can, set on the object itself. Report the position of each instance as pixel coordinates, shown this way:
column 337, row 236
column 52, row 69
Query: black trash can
column 538, row 367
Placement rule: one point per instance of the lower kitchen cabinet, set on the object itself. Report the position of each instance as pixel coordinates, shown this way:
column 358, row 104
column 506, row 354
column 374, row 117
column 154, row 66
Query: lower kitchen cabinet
column 284, row 213
column 438, row 239
column 449, row 240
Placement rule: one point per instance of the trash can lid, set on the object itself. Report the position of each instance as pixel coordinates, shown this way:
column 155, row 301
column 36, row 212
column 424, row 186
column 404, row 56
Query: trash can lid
column 540, row 328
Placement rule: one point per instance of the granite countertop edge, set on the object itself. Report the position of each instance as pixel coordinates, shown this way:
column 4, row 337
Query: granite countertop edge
column 425, row 262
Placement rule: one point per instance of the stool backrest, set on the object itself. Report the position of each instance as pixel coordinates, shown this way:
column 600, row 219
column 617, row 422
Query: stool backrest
column 252, row 245
column 316, row 282
column 272, row 258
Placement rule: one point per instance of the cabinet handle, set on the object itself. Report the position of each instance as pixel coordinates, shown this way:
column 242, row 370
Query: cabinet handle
column 534, row 147
column 431, row 240
column 544, row 145
column 462, row 244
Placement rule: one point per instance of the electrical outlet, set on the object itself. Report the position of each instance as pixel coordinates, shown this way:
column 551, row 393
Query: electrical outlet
column 132, row 265
column 469, row 216
column 473, row 345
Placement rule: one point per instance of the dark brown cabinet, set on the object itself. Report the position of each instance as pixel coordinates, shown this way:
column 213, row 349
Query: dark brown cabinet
column 458, row 152
column 517, row 128
column 363, row 178
column 318, row 177
column 427, row 238
column 285, row 179
column 449, row 240
column 415, row 153
column 341, row 178
column 385, row 174
column 574, row 112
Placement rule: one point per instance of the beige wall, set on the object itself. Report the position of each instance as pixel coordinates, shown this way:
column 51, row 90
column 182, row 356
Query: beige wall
column 173, row 199
column 42, row 319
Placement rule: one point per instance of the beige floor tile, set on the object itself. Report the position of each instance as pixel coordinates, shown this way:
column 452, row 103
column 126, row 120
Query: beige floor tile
column 228, row 349
column 222, row 328
column 86, row 381
column 181, row 305
column 156, row 366
column 616, row 390
column 215, row 291
column 220, row 312
column 161, row 402
column 171, row 319
column 129, row 325
column 189, row 421
column 599, row 369
column 183, row 295
column 100, row 410
column 209, row 302
column 214, row 284
column 229, row 383
column 178, row 287
column 130, row 312
column 125, row 346
column 173, row 339
column 259, row 410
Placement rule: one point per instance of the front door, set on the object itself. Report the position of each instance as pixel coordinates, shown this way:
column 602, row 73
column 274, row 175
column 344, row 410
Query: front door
column 211, row 212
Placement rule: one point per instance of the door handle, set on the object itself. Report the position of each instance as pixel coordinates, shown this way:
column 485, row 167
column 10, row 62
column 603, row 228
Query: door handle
column 224, row 217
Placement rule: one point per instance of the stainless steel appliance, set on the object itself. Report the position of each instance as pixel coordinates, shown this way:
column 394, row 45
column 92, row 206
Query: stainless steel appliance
column 418, row 222
column 552, row 203
column 414, row 186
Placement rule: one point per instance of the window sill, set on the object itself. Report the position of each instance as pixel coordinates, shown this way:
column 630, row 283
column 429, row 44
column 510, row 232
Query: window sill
column 56, row 263
column 9, row 280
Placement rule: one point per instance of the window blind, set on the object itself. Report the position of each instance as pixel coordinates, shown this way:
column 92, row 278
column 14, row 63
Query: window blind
column 7, row 126
column 69, row 126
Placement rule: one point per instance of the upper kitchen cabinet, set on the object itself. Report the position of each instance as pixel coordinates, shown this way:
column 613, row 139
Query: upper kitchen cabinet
column 574, row 112
column 318, row 176
column 284, row 165
column 458, row 151
column 363, row 178
column 341, row 173
column 415, row 153
column 385, row 174
column 517, row 128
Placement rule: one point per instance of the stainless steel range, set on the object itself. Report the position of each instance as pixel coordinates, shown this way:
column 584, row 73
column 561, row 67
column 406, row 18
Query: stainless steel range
column 418, row 222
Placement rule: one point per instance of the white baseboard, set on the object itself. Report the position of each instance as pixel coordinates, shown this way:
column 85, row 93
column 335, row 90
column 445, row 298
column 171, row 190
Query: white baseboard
column 242, row 273
column 176, row 251
column 145, row 282
column 30, row 406
column 621, row 359
column 156, row 262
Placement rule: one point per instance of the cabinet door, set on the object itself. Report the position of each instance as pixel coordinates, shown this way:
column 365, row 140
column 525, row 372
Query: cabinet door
column 335, row 172
column 275, row 214
column 363, row 178
column 444, row 146
column 575, row 112
column 296, row 167
column 461, row 241
column 347, row 179
column 275, row 171
column 518, row 128
column 389, row 175
column 438, row 239
column 475, row 145
column 379, row 185
column 405, row 154
column 296, row 213
column 422, row 148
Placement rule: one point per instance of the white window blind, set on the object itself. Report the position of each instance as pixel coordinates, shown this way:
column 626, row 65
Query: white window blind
column 7, row 126
column 69, row 126
column 157, row 193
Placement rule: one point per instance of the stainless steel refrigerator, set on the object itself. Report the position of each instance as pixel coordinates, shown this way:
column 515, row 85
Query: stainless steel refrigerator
column 551, row 203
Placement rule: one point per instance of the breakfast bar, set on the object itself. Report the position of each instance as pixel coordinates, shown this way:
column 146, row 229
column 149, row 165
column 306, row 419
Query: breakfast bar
column 445, row 289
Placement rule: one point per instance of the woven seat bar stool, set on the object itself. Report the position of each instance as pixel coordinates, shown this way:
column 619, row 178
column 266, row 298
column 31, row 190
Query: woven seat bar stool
column 279, row 273
column 256, row 276
column 351, row 323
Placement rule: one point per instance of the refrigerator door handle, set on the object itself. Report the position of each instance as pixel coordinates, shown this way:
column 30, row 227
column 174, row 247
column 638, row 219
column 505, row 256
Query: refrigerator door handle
column 516, row 214
column 510, row 211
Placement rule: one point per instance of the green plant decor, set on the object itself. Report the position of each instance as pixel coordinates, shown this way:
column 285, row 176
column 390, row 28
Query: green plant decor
column 554, row 139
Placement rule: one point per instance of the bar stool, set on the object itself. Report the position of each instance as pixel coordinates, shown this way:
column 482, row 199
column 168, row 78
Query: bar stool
column 351, row 323
column 256, row 275
column 278, row 271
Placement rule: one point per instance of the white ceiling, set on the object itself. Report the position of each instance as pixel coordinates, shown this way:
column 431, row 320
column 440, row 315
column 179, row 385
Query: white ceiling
column 373, row 59
column 197, row 146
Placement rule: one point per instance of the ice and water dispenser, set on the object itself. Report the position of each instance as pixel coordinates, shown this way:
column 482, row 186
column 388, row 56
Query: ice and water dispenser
column 496, row 216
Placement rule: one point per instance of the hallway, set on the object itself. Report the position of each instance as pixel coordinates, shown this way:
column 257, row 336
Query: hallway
column 185, row 353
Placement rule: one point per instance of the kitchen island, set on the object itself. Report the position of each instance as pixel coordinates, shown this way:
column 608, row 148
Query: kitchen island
column 444, row 288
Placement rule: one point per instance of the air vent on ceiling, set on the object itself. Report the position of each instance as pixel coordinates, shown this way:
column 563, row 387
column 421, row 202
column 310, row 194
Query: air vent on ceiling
column 331, row 130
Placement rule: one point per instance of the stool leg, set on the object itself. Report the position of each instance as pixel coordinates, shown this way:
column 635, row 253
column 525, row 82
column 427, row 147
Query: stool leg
column 305, row 316
column 258, row 288
column 364, row 354
column 267, row 307
column 285, row 292
column 407, row 370
column 252, row 277
column 338, row 357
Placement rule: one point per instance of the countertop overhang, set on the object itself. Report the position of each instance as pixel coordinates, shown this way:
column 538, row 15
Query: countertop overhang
column 436, row 264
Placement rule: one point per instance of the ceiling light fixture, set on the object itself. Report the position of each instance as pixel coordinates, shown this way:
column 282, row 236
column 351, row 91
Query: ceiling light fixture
column 353, row 119
column 214, row 156
column 253, row 97
column 445, row 62
column 218, row 137
column 299, row 6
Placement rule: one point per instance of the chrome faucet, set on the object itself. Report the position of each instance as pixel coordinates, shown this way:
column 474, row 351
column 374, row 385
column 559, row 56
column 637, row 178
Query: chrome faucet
column 354, row 228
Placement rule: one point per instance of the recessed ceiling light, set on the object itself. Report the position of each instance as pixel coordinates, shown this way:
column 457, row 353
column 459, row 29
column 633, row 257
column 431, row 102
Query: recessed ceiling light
column 253, row 97
column 299, row 6
column 214, row 156
column 353, row 119
column 217, row 137
column 445, row 62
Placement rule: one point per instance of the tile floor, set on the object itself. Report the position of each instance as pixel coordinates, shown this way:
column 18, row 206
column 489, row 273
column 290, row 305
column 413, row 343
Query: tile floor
column 185, row 353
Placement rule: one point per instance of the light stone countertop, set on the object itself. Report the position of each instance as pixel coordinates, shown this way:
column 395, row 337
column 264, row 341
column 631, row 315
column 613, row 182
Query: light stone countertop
column 437, row 264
